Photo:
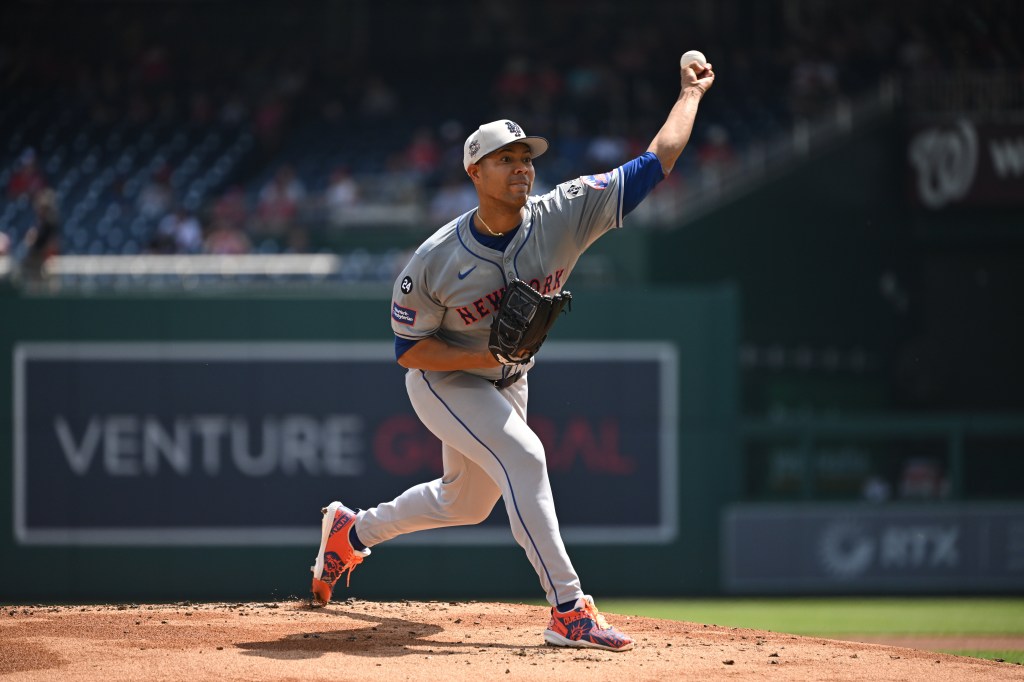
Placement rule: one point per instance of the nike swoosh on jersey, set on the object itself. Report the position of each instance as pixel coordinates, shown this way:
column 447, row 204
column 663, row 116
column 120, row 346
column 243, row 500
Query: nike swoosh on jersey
column 464, row 275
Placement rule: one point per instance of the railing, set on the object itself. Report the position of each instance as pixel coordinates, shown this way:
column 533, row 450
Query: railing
column 952, row 428
column 312, row 266
column 212, row 273
column 356, row 273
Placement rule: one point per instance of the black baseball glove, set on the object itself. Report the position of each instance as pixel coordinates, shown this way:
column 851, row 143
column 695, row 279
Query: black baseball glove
column 522, row 323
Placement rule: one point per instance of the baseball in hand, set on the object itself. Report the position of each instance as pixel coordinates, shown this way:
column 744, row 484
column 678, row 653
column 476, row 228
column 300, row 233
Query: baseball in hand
column 693, row 57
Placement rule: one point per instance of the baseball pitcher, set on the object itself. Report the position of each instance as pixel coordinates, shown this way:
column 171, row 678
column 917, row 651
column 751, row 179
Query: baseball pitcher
column 469, row 313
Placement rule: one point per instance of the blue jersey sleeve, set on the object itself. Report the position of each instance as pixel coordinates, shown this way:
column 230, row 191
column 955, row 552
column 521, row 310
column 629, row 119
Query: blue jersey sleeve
column 639, row 177
column 402, row 345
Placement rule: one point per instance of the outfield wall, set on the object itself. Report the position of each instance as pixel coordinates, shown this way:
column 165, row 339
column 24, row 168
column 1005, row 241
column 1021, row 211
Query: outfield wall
column 166, row 448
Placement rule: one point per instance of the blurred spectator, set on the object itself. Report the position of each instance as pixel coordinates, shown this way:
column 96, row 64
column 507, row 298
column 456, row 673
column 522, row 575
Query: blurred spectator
column 379, row 100
column 715, row 155
column 154, row 66
column 607, row 150
column 178, row 233
column 5, row 244
column 455, row 196
column 27, row 179
column 452, row 135
column 423, row 153
column 157, row 197
column 549, row 82
column 225, row 239
column 268, row 123
column 231, row 207
column 916, row 53
column 341, row 194
column 544, row 104
column 278, row 205
column 876, row 489
column 200, row 109
column 140, row 110
column 923, row 479
column 167, row 109
column 42, row 241
column 515, row 83
column 234, row 109
column 814, row 84
column 589, row 92
column 404, row 185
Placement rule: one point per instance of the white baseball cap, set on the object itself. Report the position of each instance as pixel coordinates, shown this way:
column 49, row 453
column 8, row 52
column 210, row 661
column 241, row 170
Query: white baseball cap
column 495, row 135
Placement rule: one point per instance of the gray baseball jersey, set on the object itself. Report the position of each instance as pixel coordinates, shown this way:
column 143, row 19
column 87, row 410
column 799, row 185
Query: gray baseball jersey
column 453, row 284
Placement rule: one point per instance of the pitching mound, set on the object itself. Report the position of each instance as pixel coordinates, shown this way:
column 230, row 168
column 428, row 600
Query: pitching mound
column 388, row 641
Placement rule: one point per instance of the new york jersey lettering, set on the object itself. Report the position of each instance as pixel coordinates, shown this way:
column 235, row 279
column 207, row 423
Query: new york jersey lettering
column 491, row 303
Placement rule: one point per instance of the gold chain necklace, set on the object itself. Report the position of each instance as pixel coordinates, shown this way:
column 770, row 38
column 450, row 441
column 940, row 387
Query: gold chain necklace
column 487, row 227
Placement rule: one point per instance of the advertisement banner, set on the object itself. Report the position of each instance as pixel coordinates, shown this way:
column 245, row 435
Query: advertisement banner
column 966, row 163
column 795, row 548
column 135, row 444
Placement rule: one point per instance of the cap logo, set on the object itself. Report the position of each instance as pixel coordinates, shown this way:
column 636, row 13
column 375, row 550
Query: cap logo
column 474, row 147
column 514, row 128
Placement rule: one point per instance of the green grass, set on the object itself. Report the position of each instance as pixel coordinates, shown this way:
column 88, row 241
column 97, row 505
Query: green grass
column 823, row 617
column 839, row 617
column 1008, row 656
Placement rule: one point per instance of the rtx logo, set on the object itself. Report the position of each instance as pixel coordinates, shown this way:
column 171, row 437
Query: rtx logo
column 920, row 547
column 847, row 550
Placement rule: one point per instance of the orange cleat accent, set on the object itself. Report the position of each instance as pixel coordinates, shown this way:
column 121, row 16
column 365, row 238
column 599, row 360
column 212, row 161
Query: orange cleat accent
column 584, row 627
column 336, row 552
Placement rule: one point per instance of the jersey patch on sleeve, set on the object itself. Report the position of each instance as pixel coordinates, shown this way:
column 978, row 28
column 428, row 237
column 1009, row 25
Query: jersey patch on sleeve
column 571, row 189
column 403, row 315
column 597, row 181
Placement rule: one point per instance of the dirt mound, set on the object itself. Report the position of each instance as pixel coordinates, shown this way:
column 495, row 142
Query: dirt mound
column 388, row 641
